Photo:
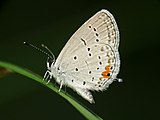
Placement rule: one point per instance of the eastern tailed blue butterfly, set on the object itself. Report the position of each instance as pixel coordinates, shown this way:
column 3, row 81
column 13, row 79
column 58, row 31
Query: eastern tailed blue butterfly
column 90, row 59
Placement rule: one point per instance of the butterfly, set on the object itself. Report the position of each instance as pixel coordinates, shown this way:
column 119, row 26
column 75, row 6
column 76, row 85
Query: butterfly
column 90, row 59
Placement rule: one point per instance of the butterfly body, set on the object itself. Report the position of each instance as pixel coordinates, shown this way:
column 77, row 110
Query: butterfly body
column 90, row 59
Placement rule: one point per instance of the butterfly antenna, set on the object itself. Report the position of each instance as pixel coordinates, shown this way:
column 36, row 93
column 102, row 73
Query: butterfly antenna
column 51, row 56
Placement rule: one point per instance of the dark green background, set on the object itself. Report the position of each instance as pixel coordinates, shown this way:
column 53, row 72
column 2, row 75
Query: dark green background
column 52, row 23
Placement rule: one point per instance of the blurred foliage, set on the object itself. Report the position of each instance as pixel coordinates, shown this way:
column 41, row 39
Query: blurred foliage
column 4, row 72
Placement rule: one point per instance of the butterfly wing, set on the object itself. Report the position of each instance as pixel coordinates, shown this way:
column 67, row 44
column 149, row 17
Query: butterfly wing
column 90, row 59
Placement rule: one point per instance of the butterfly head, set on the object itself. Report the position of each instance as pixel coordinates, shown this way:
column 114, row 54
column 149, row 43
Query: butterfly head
column 50, row 63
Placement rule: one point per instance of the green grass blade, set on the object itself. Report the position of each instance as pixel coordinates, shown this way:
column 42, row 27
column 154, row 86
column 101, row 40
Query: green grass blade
column 81, row 108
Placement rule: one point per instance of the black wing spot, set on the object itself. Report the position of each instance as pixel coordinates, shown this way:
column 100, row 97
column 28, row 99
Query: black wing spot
column 97, row 34
column 100, row 63
column 84, row 42
column 84, row 82
column 92, row 78
column 76, row 69
column 108, row 74
column 99, row 57
column 94, row 29
column 72, row 80
column 97, row 68
column 75, row 57
column 90, row 72
column 89, row 49
column 89, row 54
column 58, row 68
column 97, row 40
column 111, row 67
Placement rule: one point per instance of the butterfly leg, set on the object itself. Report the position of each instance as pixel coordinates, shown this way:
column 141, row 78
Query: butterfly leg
column 47, row 76
column 61, row 84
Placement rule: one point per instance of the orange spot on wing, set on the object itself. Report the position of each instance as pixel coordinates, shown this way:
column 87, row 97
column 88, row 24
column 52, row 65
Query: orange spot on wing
column 107, row 68
column 105, row 73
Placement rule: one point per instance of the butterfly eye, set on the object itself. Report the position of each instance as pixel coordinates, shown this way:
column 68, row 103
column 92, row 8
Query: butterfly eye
column 50, row 61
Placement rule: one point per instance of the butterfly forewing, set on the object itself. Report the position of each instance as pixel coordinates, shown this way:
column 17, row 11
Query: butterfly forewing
column 90, row 59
